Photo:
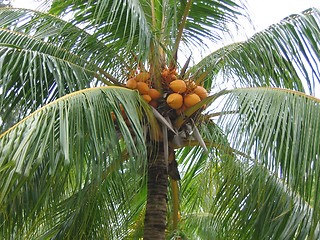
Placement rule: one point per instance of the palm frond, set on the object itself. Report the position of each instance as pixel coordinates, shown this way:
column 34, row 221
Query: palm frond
column 43, row 57
column 123, row 24
column 68, row 41
column 193, row 23
column 208, row 18
column 270, row 178
column 199, row 175
column 247, row 202
column 199, row 169
column 284, row 55
column 280, row 128
column 70, row 153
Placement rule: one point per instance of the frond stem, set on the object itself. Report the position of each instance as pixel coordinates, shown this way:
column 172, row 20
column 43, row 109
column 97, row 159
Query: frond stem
column 301, row 94
column 180, row 31
column 216, row 114
column 209, row 144
column 110, row 77
column 153, row 15
column 175, row 203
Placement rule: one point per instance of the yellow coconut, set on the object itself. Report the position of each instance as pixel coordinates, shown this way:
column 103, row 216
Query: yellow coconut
column 131, row 83
column 165, row 72
column 154, row 93
column 191, row 99
column 173, row 77
column 178, row 86
column 175, row 100
column 147, row 98
column 153, row 103
column 169, row 78
column 142, row 77
column 201, row 92
column 143, row 88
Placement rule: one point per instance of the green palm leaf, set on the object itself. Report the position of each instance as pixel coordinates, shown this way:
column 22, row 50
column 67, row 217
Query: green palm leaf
column 264, row 183
column 279, row 129
column 284, row 55
column 43, row 57
column 74, row 144
column 67, row 40
column 126, row 25
column 207, row 19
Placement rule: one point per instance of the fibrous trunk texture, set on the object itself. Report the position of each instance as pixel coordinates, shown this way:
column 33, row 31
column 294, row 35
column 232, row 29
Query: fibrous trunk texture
column 156, row 210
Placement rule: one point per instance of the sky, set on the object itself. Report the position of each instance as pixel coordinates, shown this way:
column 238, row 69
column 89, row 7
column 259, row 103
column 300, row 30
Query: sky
column 264, row 13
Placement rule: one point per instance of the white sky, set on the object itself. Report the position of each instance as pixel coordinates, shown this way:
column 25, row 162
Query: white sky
column 265, row 13
column 25, row 3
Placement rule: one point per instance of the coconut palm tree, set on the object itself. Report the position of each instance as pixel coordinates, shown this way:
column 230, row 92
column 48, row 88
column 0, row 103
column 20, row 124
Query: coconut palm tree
column 96, row 154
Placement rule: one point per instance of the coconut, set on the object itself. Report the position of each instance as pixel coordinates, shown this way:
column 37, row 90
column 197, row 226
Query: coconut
column 131, row 83
column 201, row 92
column 143, row 88
column 142, row 77
column 146, row 97
column 191, row 99
column 173, row 77
column 169, row 75
column 165, row 72
column 154, row 93
column 175, row 100
column 153, row 103
column 167, row 80
column 178, row 86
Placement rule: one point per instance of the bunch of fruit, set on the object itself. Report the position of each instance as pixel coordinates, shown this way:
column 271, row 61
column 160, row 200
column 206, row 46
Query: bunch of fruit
column 179, row 94
column 142, row 83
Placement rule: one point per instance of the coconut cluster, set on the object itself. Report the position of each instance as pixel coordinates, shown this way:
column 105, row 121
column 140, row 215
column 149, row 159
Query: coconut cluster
column 178, row 94
column 142, row 83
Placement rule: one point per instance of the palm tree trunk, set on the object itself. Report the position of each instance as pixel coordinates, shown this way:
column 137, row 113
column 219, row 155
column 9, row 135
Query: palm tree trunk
column 156, row 210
